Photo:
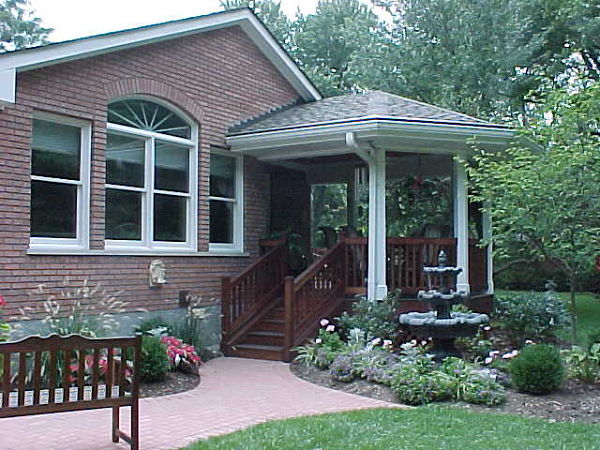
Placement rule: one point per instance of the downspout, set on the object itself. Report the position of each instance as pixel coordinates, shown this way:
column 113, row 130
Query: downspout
column 361, row 153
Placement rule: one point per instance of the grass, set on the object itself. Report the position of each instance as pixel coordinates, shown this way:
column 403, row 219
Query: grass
column 417, row 428
column 588, row 313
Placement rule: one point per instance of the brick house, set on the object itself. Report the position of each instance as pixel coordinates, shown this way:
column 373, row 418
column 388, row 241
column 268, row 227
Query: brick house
column 187, row 142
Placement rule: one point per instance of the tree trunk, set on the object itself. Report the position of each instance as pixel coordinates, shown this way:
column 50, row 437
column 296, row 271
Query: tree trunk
column 573, row 309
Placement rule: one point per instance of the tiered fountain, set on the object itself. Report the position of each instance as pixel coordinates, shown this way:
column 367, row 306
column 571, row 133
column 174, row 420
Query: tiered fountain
column 441, row 324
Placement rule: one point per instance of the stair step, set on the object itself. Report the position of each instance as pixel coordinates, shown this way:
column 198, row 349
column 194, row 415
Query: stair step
column 262, row 337
column 269, row 325
column 270, row 352
column 275, row 313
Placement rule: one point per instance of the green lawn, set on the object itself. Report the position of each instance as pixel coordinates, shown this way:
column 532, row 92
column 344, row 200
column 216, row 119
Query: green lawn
column 588, row 313
column 419, row 428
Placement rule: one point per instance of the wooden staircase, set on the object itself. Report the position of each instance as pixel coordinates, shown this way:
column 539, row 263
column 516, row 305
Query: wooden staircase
column 265, row 339
column 267, row 313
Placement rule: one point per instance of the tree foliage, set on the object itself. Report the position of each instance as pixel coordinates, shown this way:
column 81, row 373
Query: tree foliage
column 19, row 28
column 543, row 196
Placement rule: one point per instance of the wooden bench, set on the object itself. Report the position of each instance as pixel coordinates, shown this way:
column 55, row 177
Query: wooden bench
column 44, row 375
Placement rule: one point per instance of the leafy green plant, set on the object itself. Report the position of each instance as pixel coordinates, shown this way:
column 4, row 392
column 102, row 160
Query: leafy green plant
column 188, row 329
column 376, row 318
column 415, row 386
column 531, row 315
column 155, row 362
column 538, row 369
column 583, row 364
column 322, row 351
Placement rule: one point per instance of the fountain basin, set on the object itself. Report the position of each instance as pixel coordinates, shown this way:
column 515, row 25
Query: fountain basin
column 426, row 324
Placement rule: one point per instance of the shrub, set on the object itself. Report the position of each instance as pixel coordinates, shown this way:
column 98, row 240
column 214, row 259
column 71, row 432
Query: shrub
column 538, row 369
column 416, row 387
column 155, row 362
column 376, row 318
column 343, row 368
column 531, row 315
column 582, row 364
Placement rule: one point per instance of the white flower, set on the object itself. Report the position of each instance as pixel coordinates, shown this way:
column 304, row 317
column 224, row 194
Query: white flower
column 423, row 342
column 488, row 360
column 488, row 328
column 510, row 355
column 413, row 342
column 387, row 343
column 529, row 341
column 324, row 322
column 494, row 353
column 318, row 341
column 376, row 341
column 330, row 328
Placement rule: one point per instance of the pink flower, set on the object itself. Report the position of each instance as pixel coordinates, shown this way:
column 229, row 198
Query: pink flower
column 330, row 328
column 324, row 322
column 2, row 301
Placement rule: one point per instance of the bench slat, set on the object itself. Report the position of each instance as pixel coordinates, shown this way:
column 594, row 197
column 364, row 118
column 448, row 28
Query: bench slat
column 21, row 377
column 5, row 379
column 52, row 375
column 81, row 374
column 37, row 377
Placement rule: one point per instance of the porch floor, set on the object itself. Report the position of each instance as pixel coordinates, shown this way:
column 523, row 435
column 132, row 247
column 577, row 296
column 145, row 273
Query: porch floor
column 234, row 393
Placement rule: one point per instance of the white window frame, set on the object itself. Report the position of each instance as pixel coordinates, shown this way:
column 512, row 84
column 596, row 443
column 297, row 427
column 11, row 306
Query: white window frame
column 238, row 210
column 81, row 241
column 147, row 244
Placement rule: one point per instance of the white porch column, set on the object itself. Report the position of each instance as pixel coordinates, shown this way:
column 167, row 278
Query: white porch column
column 487, row 234
column 376, row 277
column 461, row 224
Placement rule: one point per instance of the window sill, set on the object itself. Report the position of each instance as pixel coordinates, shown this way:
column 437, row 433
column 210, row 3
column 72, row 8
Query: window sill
column 130, row 252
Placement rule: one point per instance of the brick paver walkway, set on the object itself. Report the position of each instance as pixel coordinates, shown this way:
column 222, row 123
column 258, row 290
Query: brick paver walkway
column 234, row 393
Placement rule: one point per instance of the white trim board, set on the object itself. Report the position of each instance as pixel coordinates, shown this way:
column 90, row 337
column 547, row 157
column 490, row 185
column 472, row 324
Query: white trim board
column 47, row 55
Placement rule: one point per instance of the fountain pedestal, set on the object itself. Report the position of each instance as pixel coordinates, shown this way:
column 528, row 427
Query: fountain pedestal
column 441, row 324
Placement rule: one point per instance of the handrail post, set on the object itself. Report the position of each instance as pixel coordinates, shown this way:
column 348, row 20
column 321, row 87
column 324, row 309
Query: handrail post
column 288, row 338
column 225, row 310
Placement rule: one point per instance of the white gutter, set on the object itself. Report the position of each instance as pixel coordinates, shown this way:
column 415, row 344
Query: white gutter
column 351, row 142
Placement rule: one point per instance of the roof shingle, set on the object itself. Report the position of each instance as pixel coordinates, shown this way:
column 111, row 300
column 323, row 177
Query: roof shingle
column 352, row 106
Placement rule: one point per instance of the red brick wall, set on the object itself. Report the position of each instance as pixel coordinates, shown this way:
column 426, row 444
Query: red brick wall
column 218, row 78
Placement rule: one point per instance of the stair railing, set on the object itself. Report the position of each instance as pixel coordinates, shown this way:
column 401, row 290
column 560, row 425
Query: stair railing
column 246, row 295
column 315, row 293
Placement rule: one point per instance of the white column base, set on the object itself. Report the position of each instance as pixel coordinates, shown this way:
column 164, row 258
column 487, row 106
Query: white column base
column 381, row 292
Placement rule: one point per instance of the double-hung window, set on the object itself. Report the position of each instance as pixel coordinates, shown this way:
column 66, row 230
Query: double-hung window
column 60, row 173
column 151, row 178
column 226, row 202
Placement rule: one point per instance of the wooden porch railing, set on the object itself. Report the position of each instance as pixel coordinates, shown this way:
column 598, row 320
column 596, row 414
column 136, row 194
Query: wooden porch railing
column 405, row 260
column 315, row 293
column 247, row 296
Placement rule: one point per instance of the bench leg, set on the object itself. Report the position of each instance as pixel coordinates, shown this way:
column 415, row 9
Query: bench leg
column 115, row 424
column 135, row 426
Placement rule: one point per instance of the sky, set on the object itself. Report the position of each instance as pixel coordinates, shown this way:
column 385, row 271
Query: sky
column 76, row 18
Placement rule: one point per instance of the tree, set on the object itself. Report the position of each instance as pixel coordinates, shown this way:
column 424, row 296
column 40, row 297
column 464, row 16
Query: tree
column 19, row 28
column 270, row 12
column 340, row 45
column 484, row 57
column 544, row 196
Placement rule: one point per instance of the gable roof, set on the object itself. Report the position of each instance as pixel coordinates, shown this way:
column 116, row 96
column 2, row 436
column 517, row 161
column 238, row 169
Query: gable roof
column 56, row 53
column 353, row 107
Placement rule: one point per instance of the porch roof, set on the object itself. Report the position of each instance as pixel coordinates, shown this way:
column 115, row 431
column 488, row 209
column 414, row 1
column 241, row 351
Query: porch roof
column 372, row 119
column 352, row 107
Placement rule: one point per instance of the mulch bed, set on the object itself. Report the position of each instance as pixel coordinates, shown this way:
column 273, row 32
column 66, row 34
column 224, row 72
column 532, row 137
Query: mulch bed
column 576, row 402
column 175, row 383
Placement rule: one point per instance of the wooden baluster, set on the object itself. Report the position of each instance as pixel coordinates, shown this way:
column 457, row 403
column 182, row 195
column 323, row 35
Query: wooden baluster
column 289, row 291
column 81, row 374
column 110, row 371
column 122, row 367
column 37, row 377
column 5, row 378
column 66, row 375
column 52, row 372
column 21, row 377
column 95, row 373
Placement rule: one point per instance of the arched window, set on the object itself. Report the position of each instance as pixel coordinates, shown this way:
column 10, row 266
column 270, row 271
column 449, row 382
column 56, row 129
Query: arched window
column 151, row 177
